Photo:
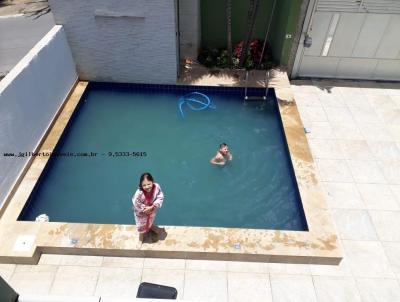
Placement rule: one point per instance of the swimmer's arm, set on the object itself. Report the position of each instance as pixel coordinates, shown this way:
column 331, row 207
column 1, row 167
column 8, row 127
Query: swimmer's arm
column 215, row 162
column 230, row 157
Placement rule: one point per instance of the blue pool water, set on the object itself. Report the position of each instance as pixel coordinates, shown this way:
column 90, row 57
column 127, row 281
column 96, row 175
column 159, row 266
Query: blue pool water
column 138, row 128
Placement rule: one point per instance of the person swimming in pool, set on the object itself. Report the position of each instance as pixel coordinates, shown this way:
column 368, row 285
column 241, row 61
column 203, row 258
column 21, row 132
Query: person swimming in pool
column 223, row 155
column 147, row 199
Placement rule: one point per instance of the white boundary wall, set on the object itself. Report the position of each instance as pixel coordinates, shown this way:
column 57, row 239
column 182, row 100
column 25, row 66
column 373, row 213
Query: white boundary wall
column 190, row 28
column 30, row 96
column 126, row 41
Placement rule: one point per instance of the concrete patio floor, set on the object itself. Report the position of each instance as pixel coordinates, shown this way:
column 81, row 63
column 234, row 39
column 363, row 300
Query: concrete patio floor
column 355, row 139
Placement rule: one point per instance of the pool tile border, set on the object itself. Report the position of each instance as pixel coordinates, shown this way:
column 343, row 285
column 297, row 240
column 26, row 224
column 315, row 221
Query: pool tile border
column 178, row 88
column 318, row 245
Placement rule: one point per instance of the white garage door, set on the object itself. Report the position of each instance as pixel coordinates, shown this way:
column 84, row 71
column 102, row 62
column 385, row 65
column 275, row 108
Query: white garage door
column 354, row 39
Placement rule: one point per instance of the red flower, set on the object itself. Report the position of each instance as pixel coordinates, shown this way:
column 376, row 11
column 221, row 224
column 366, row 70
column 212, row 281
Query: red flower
column 238, row 49
column 255, row 49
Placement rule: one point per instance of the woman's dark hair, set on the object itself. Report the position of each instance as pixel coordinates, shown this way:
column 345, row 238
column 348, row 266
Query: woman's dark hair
column 144, row 176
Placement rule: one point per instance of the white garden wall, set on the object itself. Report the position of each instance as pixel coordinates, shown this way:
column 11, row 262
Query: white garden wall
column 189, row 28
column 30, row 95
column 131, row 41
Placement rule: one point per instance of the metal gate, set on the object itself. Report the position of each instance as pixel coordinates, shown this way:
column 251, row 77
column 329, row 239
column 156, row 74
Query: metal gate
column 353, row 39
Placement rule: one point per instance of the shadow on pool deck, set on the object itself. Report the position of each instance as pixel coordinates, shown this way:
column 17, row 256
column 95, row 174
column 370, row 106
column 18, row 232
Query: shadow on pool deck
column 152, row 237
column 197, row 74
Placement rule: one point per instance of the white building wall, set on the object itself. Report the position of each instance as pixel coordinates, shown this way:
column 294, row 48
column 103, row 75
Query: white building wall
column 131, row 41
column 351, row 40
column 189, row 27
column 30, row 96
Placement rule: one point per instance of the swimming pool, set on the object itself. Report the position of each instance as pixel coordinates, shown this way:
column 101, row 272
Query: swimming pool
column 128, row 129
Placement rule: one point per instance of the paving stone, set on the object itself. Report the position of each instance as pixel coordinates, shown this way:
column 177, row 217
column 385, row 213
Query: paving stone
column 249, row 287
column 366, row 171
column 378, row 197
column 354, row 224
column 164, row 263
column 379, row 290
column 33, row 279
column 81, row 260
column 367, row 259
column 292, row 288
column 205, row 286
column 336, row 289
column 123, row 262
column 334, row 170
column 118, row 282
column 6, row 271
column 75, row 281
column 387, row 224
column 343, row 195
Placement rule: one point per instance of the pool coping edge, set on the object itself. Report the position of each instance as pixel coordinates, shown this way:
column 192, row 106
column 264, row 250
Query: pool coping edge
column 319, row 245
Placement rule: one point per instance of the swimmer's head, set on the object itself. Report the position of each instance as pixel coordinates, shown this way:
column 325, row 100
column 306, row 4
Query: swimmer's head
column 223, row 148
column 146, row 182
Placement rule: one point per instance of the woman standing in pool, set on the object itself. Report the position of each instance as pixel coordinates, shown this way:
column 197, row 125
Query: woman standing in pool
column 146, row 201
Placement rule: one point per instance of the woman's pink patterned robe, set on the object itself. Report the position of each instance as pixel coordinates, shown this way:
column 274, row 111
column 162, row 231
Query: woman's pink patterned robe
column 145, row 221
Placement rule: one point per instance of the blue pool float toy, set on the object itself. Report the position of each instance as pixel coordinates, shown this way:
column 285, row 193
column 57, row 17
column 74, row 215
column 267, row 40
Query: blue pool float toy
column 189, row 100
